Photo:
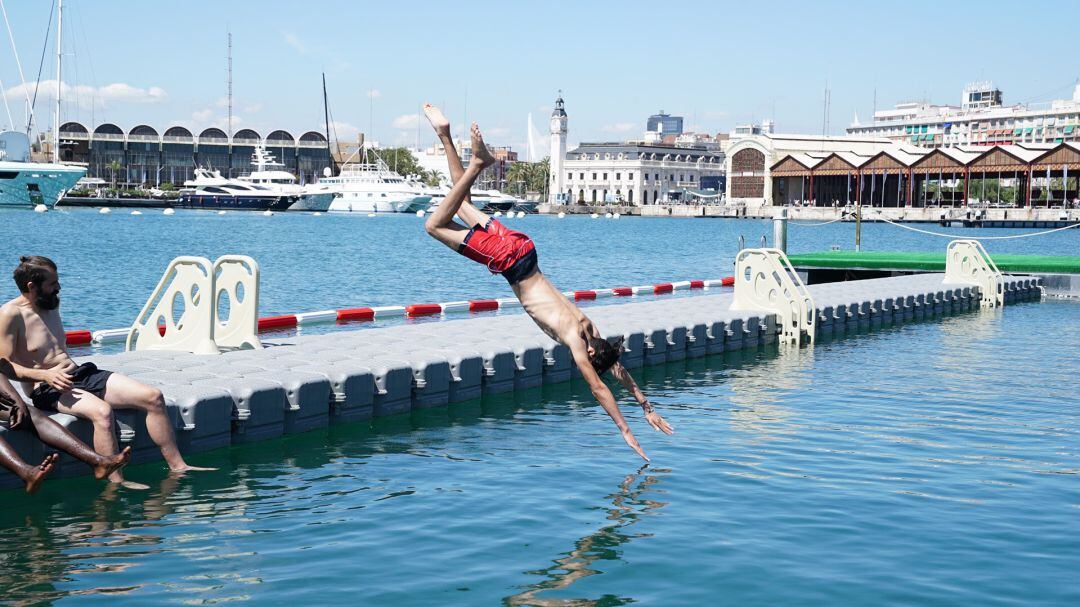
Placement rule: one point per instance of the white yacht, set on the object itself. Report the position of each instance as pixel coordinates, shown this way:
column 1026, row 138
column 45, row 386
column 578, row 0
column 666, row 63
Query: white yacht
column 210, row 191
column 272, row 175
column 372, row 188
column 25, row 184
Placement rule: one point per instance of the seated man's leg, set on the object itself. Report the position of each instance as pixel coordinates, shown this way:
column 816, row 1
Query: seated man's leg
column 57, row 436
column 30, row 475
column 85, row 405
column 123, row 392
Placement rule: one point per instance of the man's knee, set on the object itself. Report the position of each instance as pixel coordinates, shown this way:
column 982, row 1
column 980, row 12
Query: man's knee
column 99, row 413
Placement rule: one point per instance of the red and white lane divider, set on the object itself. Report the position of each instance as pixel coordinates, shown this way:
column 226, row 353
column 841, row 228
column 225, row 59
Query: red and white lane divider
column 285, row 321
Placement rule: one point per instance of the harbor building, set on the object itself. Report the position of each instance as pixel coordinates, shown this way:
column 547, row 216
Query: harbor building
column 981, row 119
column 806, row 170
column 665, row 124
column 146, row 156
column 637, row 173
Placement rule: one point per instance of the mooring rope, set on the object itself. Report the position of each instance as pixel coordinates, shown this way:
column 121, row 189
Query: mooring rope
column 942, row 235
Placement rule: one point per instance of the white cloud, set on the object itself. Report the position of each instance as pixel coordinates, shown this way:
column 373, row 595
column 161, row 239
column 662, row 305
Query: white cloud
column 374, row 93
column 619, row 127
column 406, row 121
column 117, row 92
column 202, row 116
column 344, row 130
column 294, row 41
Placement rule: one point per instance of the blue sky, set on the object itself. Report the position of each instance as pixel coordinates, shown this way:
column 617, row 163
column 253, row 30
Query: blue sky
column 716, row 63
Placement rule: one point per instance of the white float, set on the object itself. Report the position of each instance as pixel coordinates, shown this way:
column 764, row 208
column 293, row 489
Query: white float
column 497, row 214
column 40, row 208
column 607, row 215
column 521, row 214
column 595, row 215
column 420, row 213
column 105, row 210
column 317, row 213
column 616, row 216
column 168, row 212
column 221, row 212
column 136, row 212
column 562, row 215
column 371, row 214
column 268, row 213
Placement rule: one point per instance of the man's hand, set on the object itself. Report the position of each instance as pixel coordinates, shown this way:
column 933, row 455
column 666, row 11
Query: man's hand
column 659, row 423
column 19, row 415
column 58, row 376
column 628, row 436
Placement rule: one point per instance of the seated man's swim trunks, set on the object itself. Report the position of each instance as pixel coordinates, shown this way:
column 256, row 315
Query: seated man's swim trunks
column 503, row 251
column 86, row 377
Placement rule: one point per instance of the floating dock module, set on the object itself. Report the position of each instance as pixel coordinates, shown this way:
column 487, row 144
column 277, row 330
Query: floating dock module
column 298, row 383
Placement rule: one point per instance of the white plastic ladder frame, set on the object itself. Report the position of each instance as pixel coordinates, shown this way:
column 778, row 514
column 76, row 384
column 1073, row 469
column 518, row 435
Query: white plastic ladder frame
column 967, row 262
column 190, row 278
column 766, row 280
column 240, row 330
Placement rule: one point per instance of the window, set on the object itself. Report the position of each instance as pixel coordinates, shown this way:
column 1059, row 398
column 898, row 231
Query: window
column 581, row 176
column 594, row 176
column 605, row 176
column 594, row 195
column 656, row 177
column 569, row 176
column 618, row 176
column 629, row 175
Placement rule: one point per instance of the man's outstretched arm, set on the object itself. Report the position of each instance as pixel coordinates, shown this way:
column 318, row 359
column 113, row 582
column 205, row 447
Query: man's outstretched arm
column 654, row 418
column 603, row 396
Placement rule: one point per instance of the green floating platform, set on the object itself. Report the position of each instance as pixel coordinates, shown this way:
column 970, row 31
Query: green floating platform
column 929, row 262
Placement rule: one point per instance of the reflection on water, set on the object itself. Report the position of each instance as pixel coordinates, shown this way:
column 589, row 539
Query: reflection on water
column 628, row 505
column 758, row 390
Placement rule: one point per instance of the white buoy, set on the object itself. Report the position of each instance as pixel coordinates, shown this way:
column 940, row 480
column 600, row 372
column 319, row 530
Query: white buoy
column 608, row 215
column 136, row 212
column 168, row 212
column 317, row 213
column 562, row 215
column 521, row 214
column 221, row 212
column 615, row 216
column 105, row 210
column 420, row 213
column 594, row 215
column 371, row 214
column 498, row 214
column 40, row 208
column 268, row 213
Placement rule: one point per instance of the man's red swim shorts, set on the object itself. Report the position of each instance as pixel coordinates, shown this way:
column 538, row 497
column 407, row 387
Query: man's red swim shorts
column 503, row 251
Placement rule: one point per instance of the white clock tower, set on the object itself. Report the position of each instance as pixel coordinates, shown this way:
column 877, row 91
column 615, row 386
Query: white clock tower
column 557, row 186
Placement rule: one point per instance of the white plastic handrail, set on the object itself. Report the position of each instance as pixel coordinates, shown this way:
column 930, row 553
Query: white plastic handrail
column 188, row 284
column 967, row 262
column 766, row 280
column 237, row 278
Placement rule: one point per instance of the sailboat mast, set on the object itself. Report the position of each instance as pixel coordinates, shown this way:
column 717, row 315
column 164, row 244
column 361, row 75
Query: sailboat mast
column 326, row 118
column 59, row 79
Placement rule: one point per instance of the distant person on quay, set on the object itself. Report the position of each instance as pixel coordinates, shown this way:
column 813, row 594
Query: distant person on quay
column 512, row 254
column 32, row 338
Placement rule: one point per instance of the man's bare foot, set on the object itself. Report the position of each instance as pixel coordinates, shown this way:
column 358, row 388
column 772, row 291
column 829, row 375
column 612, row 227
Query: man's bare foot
column 480, row 153
column 437, row 120
column 33, row 482
column 187, row 468
column 112, row 463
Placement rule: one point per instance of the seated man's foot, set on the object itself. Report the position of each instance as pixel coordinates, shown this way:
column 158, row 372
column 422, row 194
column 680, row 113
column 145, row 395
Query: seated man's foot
column 480, row 153
column 112, row 463
column 187, row 468
column 437, row 120
column 33, row 482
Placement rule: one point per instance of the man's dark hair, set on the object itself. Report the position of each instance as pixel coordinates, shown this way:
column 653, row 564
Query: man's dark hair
column 32, row 269
column 605, row 354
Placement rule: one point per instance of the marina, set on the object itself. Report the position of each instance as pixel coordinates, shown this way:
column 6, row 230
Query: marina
column 373, row 307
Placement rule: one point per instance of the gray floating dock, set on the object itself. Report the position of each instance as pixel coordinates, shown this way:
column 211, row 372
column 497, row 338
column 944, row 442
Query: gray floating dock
column 305, row 382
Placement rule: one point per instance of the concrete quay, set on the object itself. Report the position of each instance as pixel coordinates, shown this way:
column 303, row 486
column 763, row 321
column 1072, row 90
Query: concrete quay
column 300, row 383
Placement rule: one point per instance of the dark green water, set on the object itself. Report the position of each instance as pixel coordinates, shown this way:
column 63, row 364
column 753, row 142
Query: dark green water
column 930, row 464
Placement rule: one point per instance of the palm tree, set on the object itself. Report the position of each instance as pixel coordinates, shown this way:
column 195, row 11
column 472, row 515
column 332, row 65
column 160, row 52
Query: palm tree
column 113, row 167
